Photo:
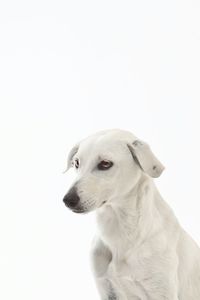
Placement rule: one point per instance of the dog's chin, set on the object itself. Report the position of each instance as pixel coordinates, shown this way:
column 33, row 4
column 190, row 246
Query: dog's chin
column 81, row 210
column 84, row 210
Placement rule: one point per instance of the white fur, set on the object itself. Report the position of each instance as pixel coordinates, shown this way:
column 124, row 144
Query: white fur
column 140, row 252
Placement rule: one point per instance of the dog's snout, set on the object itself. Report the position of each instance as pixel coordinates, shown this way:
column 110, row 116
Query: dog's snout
column 71, row 199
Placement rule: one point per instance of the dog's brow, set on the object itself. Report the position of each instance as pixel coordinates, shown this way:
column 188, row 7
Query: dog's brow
column 99, row 158
column 103, row 157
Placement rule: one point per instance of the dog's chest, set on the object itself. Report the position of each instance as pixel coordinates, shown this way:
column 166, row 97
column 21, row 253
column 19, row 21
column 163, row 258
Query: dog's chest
column 134, row 268
column 122, row 274
column 127, row 280
column 108, row 223
column 116, row 229
column 139, row 275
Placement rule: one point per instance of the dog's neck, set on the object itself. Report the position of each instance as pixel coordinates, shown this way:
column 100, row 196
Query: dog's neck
column 124, row 225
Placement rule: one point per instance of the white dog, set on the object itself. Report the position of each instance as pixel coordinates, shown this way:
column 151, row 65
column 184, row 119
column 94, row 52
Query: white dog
column 141, row 252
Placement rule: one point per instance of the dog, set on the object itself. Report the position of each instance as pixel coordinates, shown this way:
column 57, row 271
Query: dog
column 140, row 252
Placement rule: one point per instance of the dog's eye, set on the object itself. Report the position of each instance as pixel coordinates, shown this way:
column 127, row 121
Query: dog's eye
column 105, row 165
column 76, row 163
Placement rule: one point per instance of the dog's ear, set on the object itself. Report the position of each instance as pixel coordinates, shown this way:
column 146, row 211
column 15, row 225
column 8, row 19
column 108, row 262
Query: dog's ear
column 145, row 158
column 71, row 154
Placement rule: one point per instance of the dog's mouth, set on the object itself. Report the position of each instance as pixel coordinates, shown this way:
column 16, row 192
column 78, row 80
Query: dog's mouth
column 104, row 202
column 80, row 210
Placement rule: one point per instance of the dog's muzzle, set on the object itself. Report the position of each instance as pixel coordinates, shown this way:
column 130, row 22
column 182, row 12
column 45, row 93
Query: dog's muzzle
column 72, row 199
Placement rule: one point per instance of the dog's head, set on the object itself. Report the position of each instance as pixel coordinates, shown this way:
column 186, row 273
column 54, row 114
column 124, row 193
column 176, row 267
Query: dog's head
column 108, row 165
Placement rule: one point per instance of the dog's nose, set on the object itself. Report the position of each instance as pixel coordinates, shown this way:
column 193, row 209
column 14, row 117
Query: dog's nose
column 71, row 199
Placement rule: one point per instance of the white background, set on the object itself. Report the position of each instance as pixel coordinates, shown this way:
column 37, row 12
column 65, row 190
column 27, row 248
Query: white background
column 68, row 69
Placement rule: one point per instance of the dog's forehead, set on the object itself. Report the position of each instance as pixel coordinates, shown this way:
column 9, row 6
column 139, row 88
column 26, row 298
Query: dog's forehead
column 99, row 147
column 108, row 143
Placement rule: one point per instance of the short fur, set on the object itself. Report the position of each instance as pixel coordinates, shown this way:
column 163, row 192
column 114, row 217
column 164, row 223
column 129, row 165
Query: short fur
column 141, row 252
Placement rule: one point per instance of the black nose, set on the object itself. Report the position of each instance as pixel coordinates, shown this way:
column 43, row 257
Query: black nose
column 71, row 199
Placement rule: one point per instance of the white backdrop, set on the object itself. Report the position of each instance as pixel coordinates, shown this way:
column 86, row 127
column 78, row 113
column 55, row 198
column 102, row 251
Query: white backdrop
column 68, row 69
